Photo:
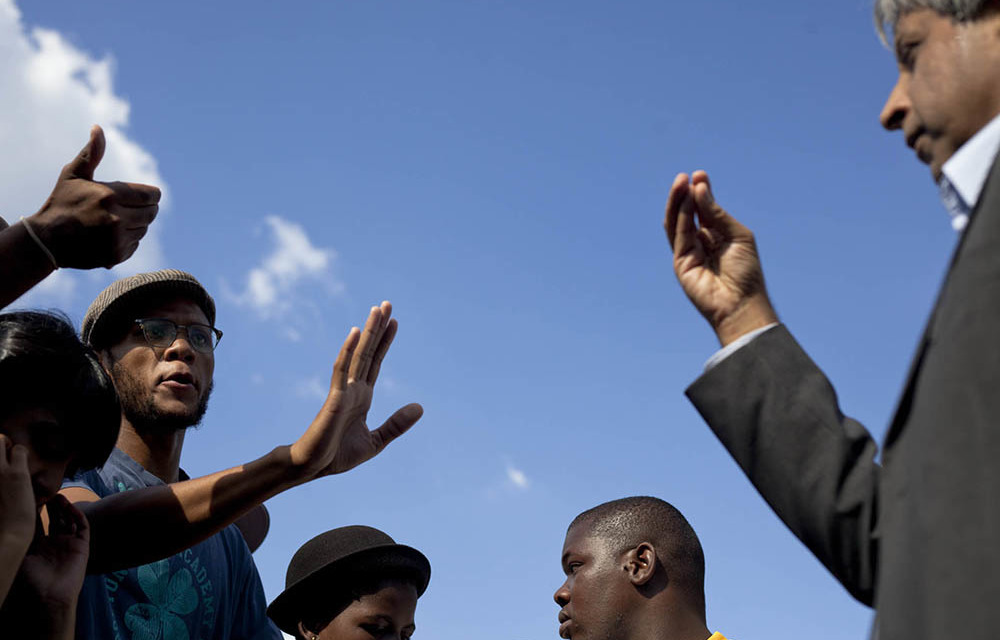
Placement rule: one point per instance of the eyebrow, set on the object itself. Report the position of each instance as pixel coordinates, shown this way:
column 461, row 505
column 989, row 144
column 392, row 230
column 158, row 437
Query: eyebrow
column 564, row 561
column 381, row 617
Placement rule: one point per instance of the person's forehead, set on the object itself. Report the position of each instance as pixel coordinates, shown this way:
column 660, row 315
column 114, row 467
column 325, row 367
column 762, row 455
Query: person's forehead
column 26, row 416
column 178, row 309
column 579, row 539
column 393, row 597
column 916, row 20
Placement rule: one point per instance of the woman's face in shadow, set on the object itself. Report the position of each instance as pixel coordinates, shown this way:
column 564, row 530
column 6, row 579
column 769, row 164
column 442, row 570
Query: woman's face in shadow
column 385, row 614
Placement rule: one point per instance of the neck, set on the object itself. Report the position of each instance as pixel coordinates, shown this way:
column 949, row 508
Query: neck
column 671, row 623
column 158, row 453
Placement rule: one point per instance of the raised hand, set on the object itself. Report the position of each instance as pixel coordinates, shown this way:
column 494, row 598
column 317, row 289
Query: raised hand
column 56, row 562
column 48, row 584
column 17, row 510
column 339, row 438
column 87, row 224
column 715, row 259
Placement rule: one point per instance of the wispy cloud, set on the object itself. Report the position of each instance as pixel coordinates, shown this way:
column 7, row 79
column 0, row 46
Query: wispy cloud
column 517, row 478
column 52, row 93
column 312, row 388
column 272, row 285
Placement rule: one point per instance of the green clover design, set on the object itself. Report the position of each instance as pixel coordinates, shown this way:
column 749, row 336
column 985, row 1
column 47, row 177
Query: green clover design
column 170, row 596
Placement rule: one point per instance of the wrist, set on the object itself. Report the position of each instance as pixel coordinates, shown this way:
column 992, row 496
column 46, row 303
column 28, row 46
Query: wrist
column 756, row 312
column 31, row 259
column 294, row 468
column 42, row 244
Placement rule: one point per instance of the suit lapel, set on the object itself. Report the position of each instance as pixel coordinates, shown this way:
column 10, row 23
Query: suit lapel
column 989, row 200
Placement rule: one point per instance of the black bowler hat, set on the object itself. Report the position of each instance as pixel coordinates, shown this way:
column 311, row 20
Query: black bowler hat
column 330, row 560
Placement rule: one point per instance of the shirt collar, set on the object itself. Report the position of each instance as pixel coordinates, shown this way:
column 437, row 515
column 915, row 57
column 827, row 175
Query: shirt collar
column 965, row 172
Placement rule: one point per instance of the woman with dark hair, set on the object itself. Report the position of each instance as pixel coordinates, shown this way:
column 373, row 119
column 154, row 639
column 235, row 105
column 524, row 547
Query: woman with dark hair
column 351, row 583
column 59, row 414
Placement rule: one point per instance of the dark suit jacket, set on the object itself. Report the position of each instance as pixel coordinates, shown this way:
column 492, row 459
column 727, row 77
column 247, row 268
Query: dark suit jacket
column 918, row 537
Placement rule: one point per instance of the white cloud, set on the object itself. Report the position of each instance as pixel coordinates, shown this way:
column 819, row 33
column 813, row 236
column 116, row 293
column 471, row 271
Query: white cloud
column 517, row 477
column 271, row 286
column 312, row 388
column 51, row 93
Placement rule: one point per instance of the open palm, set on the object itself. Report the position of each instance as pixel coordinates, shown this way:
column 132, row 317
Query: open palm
column 339, row 438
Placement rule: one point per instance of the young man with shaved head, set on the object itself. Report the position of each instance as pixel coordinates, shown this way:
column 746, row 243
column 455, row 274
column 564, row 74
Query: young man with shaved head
column 634, row 571
column 916, row 536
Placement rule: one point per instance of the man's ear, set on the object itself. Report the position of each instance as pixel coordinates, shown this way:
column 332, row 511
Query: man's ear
column 640, row 563
column 104, row 357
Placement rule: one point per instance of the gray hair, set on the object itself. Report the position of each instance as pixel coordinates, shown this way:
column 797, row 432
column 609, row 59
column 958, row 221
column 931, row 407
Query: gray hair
column 888, row 12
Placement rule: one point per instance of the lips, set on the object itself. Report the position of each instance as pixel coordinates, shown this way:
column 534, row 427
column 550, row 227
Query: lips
column 178, row 379
column 564, row 624
column 913, row 141
column 564, row 630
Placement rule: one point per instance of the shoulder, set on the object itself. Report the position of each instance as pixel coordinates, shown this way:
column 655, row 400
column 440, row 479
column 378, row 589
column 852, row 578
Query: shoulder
column 91, row 481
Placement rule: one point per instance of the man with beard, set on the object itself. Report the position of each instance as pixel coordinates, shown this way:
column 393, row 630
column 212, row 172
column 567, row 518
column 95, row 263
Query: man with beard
column 634, row 570
column 155, row 334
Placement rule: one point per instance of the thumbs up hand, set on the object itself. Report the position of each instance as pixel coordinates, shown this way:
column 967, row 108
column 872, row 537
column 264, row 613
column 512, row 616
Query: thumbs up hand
column 87, row 224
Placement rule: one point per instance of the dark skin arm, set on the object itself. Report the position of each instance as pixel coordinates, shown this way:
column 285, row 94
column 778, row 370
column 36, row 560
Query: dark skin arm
column 84, row 224
column 178, row 515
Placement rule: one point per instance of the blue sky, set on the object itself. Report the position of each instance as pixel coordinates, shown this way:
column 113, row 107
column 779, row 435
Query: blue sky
column 498, row 171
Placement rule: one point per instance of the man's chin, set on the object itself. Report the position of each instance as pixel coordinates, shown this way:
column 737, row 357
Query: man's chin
column 163, row 423
column 936, row 170
column 165, row 418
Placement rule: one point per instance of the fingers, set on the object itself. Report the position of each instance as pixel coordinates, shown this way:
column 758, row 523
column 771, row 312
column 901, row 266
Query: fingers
column 340, row 367
column 680, row 218
column 19, row 459
column 124, row 254
column 13, row 457
column 85, row 162
column 64, row 518
column 397, row 424
column 134, row 194
column 678, row 192
column 710, row 214
column 134, row 217
column 375, row 328
column 687, row 231
column 383, row 348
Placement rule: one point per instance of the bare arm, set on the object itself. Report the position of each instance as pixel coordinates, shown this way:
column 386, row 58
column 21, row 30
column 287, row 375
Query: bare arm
column 176, row 516
column 83, row 224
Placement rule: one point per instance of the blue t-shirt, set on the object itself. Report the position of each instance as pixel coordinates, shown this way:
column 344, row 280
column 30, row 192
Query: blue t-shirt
column 209, row 592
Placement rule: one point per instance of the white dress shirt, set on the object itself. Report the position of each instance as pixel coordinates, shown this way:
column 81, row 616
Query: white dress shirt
column 965, row 172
